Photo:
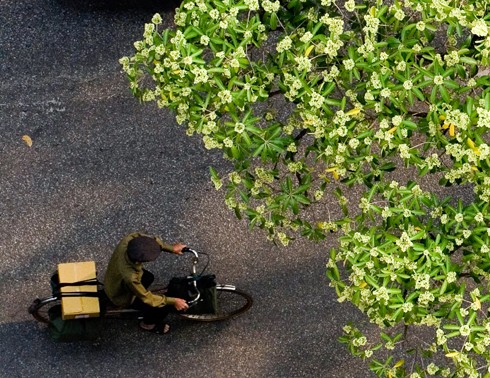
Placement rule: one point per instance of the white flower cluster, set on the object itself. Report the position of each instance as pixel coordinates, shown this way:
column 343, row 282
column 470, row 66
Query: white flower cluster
column 372, row 24
column 294, row 85
column 382, row 294
column 350, row 5
column 425, row 298
column 201, row 75
column 284, row 45
column 225, row 96
column 480, row 28
column 329, row 76
column 336, row 29
column 316, row 100
column 211, row 143
column 271, row 6
column 483, row 117
column 458, row 118
column 349, row 64
column 483, row 189
column 398, row 13
column 422, row 281
column 253, row 5
column 303, row 63
column 452, row 58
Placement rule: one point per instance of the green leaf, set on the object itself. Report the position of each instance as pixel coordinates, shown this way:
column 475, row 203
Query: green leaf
column 388, row 167
column 468, row 60
column 302, row 199
column 451, row 84
column 235, row 152
column 444, row 94
column 273, row 21
column 418, row 93
column 259, row 150
column 333, row 273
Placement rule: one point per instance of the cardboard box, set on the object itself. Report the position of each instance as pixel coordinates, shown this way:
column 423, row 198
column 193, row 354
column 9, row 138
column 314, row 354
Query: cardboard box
column 78, row 307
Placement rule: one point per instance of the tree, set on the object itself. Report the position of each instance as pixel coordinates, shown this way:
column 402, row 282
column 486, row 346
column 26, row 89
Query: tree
column 316, row 101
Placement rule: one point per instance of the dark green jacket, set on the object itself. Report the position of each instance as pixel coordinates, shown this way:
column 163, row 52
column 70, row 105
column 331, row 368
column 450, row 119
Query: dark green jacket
column 122, row 281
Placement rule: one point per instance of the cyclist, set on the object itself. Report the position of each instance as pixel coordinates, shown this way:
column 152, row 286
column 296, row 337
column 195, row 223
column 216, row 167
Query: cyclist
column 126, row 283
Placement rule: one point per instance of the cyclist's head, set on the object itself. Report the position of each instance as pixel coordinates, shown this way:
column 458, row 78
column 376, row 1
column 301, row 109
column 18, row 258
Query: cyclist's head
column 143, row 249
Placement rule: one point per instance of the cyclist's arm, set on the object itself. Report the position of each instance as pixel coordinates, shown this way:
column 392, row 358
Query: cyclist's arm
column 164, row 246
column 176, row 248
column 146, row 296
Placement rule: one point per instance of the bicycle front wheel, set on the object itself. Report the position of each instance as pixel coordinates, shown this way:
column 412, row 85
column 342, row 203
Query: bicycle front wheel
column 230, row 302
column 40, row 307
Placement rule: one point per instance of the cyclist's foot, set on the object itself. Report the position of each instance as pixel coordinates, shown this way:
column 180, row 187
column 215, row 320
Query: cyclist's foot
column 155, row 328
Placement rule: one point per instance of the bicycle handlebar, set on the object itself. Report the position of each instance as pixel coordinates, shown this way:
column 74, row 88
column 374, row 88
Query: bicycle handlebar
column 195, row 260
column 190, row 250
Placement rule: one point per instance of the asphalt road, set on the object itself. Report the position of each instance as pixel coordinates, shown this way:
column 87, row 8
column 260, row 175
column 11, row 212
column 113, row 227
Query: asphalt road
column 102, row 165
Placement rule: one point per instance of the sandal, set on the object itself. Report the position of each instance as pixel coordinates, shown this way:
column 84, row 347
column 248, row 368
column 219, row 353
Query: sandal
column 158, row 329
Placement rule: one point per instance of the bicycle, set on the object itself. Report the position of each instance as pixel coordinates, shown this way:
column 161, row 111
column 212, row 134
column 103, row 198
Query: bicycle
column 230, row 301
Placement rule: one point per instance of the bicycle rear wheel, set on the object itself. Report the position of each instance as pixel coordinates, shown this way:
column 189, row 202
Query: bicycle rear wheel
column 230, row 302
column 40, row 307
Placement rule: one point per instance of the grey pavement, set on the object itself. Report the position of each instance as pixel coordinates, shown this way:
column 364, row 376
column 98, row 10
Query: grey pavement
column 102, row 165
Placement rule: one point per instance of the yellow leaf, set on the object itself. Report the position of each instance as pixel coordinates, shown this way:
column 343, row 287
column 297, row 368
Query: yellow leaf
column 452, row 354
column 372, row 11
column 308, row 50
column 451, row 129
column 363, row 284
column 445, row 125
column 353, row 111
column 392, row 130
column 334, row 172
column 472, row 145
column 27, row 139
column 399, row 363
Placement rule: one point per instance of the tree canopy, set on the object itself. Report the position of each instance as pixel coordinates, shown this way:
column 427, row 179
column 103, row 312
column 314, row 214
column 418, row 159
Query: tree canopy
column 346, row 117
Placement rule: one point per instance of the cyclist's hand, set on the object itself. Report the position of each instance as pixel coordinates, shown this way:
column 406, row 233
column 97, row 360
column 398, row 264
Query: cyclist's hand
column 177, row 248
column 180, row 304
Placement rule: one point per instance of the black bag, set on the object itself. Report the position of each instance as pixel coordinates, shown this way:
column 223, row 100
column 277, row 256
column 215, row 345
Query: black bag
column 183, row 287
column 74, row 329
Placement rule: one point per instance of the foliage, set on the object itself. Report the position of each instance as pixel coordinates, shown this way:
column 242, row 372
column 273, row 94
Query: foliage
column 424, row 263
column 316, row 100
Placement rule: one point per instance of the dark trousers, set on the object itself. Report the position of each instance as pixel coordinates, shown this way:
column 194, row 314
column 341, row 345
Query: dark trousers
column 151, row 315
